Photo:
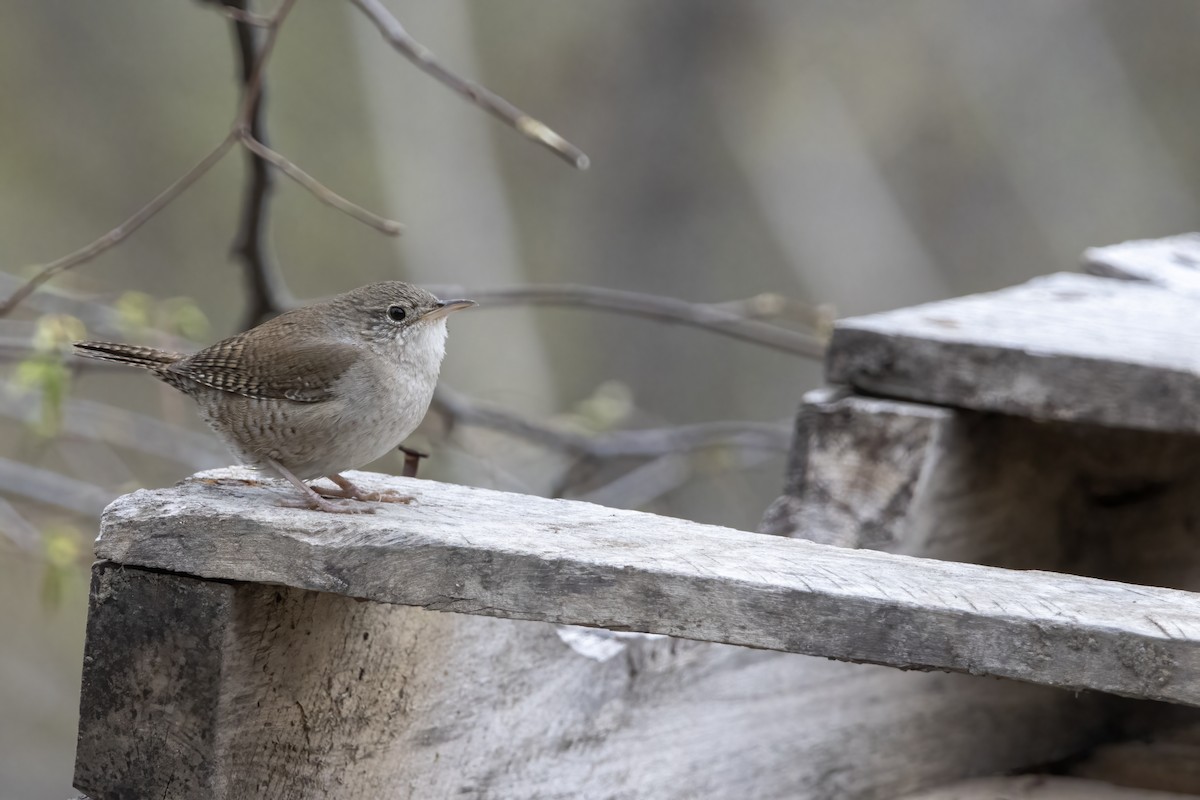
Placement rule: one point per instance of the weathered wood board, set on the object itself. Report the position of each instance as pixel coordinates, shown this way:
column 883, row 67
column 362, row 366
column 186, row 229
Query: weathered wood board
column 1076, row 348
column 1172, row 263
column 215, row 690
column 1040, row 787
column 994, row 489
column 492, row 553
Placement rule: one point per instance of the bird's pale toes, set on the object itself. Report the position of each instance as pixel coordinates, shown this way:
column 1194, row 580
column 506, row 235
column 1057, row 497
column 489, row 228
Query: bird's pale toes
column 329, row 507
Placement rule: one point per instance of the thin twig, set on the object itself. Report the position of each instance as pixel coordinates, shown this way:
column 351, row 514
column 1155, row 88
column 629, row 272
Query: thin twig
column 664, row 309
column 242, row 15
column 53, row 488
column 495, row 105
column 119, row 233
column 181, row 184
column 319, row 190
column 267, row 294
column 457, row 409
column 252, row 85
column 87, row 419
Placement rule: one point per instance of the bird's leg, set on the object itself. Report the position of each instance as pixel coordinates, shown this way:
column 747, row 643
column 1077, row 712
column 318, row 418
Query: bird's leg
column 311, row 498
column 348, row 490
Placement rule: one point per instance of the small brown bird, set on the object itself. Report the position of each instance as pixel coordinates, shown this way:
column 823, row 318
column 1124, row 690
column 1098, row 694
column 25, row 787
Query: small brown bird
column 322, row 389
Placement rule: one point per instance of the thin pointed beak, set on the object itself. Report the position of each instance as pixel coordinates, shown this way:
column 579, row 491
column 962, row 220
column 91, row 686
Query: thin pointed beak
column 449, row 306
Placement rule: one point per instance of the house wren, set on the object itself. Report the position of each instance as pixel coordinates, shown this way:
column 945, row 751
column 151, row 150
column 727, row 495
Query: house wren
column 318, row 390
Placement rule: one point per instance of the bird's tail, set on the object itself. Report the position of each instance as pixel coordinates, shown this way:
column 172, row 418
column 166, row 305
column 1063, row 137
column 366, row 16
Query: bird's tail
column 134, row 356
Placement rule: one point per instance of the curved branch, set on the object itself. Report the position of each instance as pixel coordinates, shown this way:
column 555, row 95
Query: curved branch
column 497, row 106
column 664, row 309
column 266, row 293
column 319, row 190
column 122, row 231
column 457, row 409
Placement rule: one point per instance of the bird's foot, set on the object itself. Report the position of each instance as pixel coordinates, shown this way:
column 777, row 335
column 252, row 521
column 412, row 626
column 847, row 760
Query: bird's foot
column 348, row 491
column 318, row 503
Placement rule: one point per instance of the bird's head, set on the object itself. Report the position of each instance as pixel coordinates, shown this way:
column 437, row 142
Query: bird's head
column 398, row 318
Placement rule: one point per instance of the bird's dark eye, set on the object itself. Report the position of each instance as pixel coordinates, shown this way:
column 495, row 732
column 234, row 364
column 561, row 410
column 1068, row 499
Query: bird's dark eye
column 396, row 313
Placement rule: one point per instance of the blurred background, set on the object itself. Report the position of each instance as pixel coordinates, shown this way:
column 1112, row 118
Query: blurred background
column 838, row 157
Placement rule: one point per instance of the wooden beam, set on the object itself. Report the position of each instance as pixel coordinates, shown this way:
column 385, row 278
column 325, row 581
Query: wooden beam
column 491, row 553
column 1068, row 347
column 196, row 689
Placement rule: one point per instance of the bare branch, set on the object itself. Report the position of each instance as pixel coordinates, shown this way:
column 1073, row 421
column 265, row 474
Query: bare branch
column 53, row 488
column 18, row 530
column 712, row 317
column 495, row 105
column 456, row 409
column 87, row 419
column 773, row 305
column 252, row 84
column 119, row 233
column 267, row 293
column 181, row 184
column 241, row 15
column 319, row 190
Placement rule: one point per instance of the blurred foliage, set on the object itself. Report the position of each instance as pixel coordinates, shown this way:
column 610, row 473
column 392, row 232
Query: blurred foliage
column 45, row 370
column 609, row 407
column 63, row 562
column 138, row 313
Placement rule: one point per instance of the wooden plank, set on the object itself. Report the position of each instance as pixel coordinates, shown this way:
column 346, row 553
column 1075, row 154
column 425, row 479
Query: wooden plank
column 1171, row 263
column 856, row 468
column 1040, row 787
column 1066, row 347
column 198, row 689
column 492, row 553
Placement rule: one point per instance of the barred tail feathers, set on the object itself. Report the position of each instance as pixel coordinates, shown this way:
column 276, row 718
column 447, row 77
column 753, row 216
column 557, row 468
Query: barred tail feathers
column 133, row 355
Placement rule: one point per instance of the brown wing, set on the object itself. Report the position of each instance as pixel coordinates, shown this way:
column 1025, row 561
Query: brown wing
column 303, row 371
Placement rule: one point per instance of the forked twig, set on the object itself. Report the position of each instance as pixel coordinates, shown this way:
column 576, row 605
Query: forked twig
column 319, row 190
column 122, row 231
column 178, row 187
column 248, row 130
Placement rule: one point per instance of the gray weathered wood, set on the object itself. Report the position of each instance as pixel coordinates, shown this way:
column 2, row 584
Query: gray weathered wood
column 1039, row 787
column 857, row 465
column 993, row 489
column 210, row 690
column 492, row 553
column 1066, row 347
column 1172, row 263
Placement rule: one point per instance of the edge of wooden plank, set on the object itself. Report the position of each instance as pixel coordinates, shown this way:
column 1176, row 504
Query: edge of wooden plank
column 966, row 352
column 492, row 553
column 1171, row 263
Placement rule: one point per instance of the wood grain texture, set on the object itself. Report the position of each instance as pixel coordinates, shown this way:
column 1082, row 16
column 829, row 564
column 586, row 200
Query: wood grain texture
column 993, row 489
column 1065, row 347
column 1040, row 787
column 857, row 465
column 492, row 553
column 1171, row 263
column 273, row 693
